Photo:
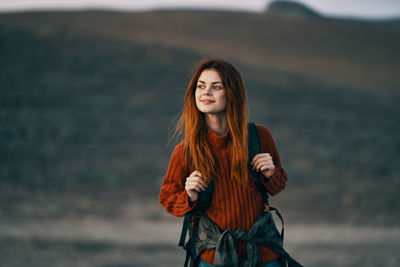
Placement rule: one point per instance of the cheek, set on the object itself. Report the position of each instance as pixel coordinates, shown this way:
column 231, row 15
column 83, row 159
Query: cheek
column 223, row 99
column 196, row 97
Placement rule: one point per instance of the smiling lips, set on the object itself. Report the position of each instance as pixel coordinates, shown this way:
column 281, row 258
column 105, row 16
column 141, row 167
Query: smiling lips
column 206, row 101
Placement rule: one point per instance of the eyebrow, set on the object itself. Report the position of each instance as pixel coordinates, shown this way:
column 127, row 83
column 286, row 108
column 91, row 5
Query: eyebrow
column 211, row 83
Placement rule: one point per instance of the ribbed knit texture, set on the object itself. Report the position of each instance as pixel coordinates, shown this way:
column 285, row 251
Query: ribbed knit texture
column 233, row 205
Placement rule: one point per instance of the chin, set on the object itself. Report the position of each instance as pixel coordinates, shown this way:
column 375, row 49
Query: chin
column 207, row 110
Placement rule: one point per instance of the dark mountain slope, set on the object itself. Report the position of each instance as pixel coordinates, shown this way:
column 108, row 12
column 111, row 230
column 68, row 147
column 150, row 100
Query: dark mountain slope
column 81, row 113
column 358, row 53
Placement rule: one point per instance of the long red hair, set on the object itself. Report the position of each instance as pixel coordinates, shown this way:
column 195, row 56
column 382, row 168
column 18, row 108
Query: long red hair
column 192, row 127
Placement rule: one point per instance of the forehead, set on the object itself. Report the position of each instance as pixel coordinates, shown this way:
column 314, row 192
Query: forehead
column 210, row 75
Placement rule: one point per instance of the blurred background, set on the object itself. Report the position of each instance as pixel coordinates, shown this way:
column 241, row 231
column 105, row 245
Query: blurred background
column 89, row 91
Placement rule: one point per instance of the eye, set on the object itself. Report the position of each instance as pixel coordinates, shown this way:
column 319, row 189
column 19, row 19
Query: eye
column 200, row 86
column 217, row 87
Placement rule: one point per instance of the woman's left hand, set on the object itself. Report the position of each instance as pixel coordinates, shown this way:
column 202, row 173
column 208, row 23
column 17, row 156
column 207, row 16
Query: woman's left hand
column 263, row 163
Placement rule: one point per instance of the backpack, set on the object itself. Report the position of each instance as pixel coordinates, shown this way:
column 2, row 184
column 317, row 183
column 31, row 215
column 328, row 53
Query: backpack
column 191, row 219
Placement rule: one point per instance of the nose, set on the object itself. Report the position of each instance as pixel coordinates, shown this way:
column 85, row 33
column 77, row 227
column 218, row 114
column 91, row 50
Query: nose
column 207, row 90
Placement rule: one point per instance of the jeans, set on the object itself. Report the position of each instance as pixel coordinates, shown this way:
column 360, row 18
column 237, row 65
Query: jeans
column 274, row 263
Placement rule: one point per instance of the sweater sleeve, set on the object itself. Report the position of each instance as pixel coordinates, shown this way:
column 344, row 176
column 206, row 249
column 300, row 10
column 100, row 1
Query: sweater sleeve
column 277, row 181
column 173, row 196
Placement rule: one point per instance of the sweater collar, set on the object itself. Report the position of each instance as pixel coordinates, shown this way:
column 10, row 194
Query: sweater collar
column 217, row 141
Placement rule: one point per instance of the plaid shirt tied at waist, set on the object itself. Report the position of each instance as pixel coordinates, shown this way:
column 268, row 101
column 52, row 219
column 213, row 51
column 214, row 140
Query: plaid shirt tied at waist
column 264, row 231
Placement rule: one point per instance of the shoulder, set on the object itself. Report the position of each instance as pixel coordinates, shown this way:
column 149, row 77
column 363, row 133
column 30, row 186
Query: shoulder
column 177, row 158
column 266, row 141
column 263, row 131
column 178, row 151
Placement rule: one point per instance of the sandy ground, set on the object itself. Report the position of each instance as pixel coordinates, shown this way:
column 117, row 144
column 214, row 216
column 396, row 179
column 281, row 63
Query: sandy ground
column 146, row 236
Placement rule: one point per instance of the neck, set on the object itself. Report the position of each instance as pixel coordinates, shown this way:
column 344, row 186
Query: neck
column 217, row 123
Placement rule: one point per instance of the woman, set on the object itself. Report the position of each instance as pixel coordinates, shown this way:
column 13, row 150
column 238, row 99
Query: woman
column 213, row 127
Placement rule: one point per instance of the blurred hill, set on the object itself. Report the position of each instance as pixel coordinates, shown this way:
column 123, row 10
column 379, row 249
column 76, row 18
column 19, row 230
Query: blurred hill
column 87, row 98
column 291, row 9
column 359, row 53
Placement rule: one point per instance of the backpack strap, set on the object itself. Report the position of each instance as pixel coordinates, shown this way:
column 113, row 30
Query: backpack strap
column 185, row 228
column 204, row 198
column 191, row 223
column 253, row 143
column 203, row 202
column 254, row 149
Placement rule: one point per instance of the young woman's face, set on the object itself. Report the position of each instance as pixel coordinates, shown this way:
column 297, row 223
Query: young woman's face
column 210, row 93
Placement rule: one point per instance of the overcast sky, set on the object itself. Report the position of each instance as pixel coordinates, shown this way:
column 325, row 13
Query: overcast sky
column 352, row 8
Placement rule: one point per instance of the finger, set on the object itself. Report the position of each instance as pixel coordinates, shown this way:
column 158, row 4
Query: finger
column 196, row 173
column 197, row 179
column 267, row 167
column 199, row 184
column 261, row 162
column 193, row 187
column 259, row 165
column 256, row 157
column 257, row 161
column 196, row 188
column 203, row 183
column 260, row 156
column 196, row 184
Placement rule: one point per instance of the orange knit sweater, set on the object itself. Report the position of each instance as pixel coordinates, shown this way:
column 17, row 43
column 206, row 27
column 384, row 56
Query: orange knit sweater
column 232, row 206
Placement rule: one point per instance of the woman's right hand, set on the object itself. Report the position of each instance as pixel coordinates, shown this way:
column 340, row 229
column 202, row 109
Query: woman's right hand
column 194, row 184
